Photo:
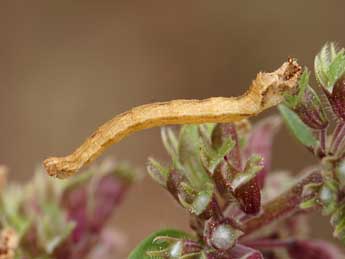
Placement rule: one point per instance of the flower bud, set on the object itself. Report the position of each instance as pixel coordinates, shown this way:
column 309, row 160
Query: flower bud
column 306, row 103
column 249, row 196
column 247, row 189
column 337, row 98
column 221, row 235
column 310, row 110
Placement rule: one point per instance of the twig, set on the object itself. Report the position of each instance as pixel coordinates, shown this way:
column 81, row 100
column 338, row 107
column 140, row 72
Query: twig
column 266, row 91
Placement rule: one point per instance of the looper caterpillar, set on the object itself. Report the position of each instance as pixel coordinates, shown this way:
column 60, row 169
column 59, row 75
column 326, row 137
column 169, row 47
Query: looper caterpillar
column 265, row 91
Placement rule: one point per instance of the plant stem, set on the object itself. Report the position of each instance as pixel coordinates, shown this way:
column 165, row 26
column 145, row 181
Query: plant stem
column 284, row 205
column 338, row 135
column 323, row 135
column 268, row 243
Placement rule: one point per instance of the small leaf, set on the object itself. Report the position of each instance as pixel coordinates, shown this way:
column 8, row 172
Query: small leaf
column 189, row 143
column 211, row 158
column 189, row 155
column 222, row 133
column 201, row 200
column 301, row 131
column 311, row 203
column 170, row 143
column 321, row 64
column 158, row 172
column 329, row 65
column 148, row 244
column 336, row 68
column 332, row 50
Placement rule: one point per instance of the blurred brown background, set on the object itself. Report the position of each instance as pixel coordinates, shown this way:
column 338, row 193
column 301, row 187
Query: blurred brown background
column 67, row 66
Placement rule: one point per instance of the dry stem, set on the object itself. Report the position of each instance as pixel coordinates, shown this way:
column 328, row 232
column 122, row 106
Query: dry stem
column 267, row 90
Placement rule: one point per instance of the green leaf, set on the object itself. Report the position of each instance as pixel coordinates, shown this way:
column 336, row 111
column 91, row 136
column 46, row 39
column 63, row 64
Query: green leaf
column 321, row 64
column 170, row 143
column 189, row 155
column 311, row 203
column 303, row 82
column 211, row 157
column 189, row 143
column 329, row 65
column 148, row 244
column 207, row 129
column 157, row 171
column 301, row 131
column 336, row 68
column 201, row 200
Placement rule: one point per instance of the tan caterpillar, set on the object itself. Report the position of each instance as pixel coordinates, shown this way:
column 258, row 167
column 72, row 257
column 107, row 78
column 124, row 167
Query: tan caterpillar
column 265, row 91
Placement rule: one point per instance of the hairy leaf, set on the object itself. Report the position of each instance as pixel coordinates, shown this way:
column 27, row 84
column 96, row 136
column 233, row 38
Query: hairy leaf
column 157, row 171
column 148, row 244
column 301, row 131
column 329, row 65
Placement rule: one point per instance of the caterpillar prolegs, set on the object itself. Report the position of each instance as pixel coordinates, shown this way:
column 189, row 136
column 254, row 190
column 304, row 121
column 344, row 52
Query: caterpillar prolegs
column 266, row 90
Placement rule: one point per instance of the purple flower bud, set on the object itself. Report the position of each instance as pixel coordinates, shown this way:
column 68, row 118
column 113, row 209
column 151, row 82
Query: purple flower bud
column 337, row 98
column 306, row 103
column 249, row 196
column 310, row 110
column 247, row 189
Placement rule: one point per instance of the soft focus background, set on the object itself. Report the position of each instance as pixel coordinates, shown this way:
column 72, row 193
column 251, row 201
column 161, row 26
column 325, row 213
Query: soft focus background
column 68, row 66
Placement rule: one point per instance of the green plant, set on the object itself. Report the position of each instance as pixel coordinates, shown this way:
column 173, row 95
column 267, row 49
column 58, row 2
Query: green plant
column 220, row 173
column 46, row 218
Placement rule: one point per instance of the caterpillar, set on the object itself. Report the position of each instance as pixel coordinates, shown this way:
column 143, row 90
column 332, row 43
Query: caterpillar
column 267, row 90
